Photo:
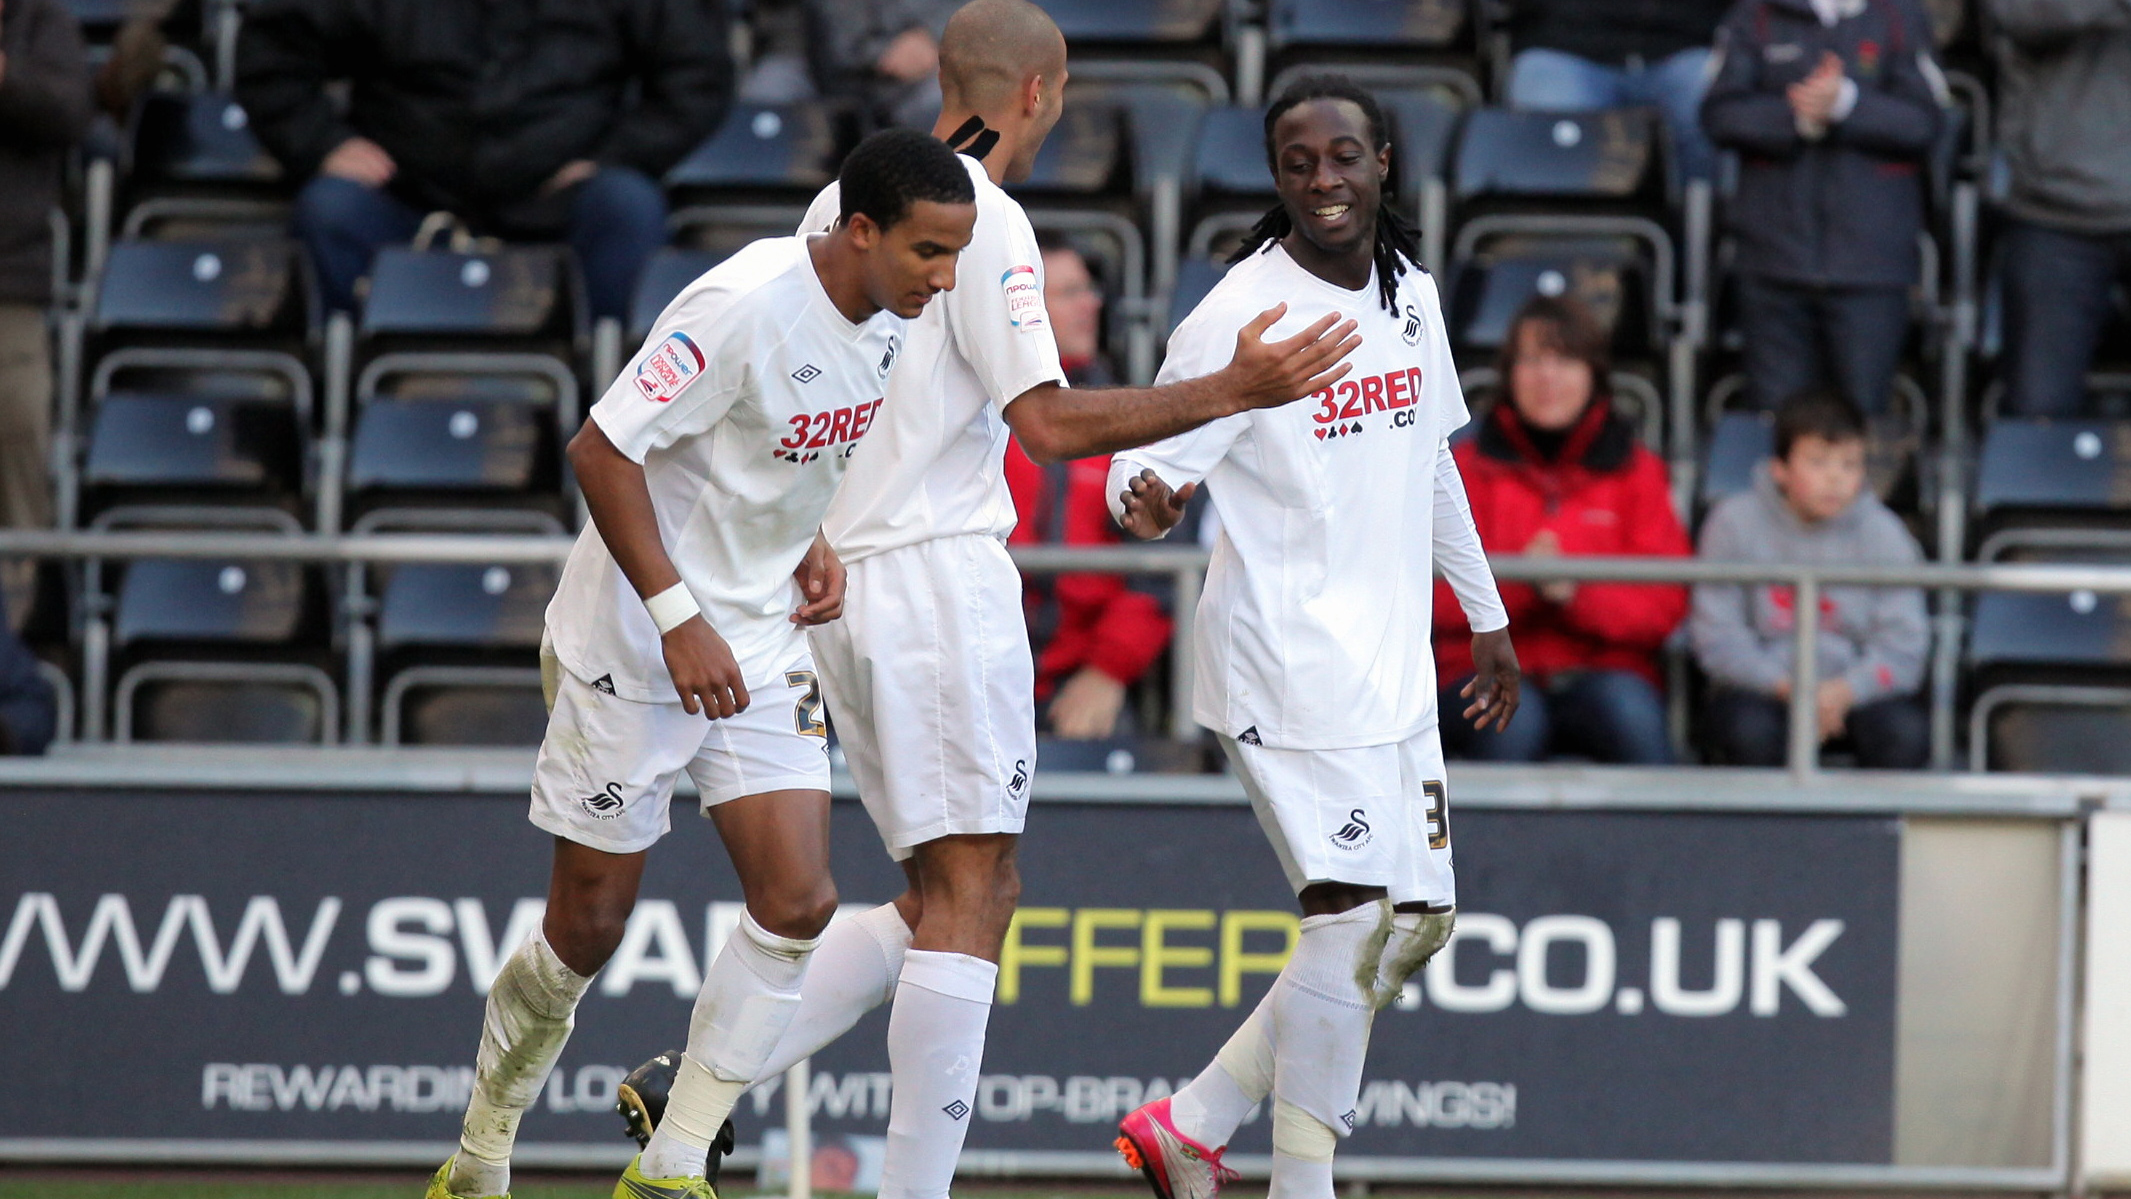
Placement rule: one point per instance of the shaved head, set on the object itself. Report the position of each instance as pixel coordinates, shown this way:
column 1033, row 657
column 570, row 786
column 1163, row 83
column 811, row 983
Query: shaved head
column 992, row 47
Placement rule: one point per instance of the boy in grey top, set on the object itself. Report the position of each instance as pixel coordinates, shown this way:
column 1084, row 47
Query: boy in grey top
column 1809, row 505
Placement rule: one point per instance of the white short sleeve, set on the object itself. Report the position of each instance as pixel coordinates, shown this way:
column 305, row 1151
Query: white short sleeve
column 680, row 383
column 1198, row 347
column 1446, row 397
column 996, row 309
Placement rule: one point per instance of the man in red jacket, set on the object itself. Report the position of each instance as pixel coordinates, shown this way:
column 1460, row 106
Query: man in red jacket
column 1553, row 470
column 1094, row 634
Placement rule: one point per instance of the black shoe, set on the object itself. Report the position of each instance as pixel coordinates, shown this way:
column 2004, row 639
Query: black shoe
column 641, row 1101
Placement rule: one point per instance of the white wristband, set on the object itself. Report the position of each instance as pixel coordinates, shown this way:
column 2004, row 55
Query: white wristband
column 672, row 608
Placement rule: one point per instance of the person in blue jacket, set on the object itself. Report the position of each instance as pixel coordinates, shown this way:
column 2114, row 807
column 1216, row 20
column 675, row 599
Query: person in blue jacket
column 1833, row 107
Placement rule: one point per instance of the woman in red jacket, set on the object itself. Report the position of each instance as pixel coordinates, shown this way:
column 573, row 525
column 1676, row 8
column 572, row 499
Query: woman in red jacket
column 1554, row 470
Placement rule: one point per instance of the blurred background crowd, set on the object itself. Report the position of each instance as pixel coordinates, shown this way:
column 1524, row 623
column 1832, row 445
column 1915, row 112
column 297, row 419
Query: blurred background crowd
column 1812, row 282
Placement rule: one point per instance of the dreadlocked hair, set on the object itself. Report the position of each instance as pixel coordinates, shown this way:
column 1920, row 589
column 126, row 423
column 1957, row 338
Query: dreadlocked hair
column 1396, row 243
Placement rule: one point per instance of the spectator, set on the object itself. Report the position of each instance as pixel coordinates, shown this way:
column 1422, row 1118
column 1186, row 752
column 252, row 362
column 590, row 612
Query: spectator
column 1809, row 505
column 885, row 54
column 1833, row 105
column 2065, row 80
column 1553, row 470
column 44, row 109
column 28, row 713
column 1095, row 634
column 1578, row 55
column 526, row 120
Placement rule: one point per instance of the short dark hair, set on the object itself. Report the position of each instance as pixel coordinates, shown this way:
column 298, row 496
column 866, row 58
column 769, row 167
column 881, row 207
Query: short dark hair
column 895, row 168
column 1567, row 326
column 1817, row 412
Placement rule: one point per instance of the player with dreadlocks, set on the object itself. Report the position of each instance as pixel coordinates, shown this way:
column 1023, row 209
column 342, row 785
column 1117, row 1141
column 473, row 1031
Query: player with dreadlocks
column 1312, row 658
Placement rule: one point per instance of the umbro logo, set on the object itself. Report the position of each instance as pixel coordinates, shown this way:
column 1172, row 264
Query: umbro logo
column 605, row 804
column 1348, row 1120
column 604, row 684
column 956, row 1110
column 807, row 373
column 1354, row 833
column 1250, row 736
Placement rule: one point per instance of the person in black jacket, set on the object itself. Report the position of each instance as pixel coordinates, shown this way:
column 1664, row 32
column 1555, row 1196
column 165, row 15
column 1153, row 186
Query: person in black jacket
column 1578, row 55
column 44, row 109
column 525, row 118
column 29, row 712
column 1833, row 105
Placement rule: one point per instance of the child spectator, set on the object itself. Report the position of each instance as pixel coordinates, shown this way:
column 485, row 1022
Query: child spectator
column 1554, row 470
column 1809, row 505
column 1833, row 105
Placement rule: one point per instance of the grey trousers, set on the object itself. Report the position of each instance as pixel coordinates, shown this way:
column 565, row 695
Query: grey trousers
column 25, row 417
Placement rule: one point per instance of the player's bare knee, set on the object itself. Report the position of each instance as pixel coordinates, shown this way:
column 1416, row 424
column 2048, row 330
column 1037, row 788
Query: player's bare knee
column 801, row 910
column 585, row 935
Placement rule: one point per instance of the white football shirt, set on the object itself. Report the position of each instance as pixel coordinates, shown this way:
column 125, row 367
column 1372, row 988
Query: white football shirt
column 1314, row 628
column 743, row 406
column 932, row 465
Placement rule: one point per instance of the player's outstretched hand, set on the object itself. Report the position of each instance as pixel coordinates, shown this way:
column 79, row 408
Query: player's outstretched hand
column 1267, row 374
column 703, row 669
column 1496, row 681
column 1151, row 508
column 821, row 580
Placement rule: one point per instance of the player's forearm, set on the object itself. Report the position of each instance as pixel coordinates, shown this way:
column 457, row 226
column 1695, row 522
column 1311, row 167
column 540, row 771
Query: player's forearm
column 620, row 501
column 1056, row 424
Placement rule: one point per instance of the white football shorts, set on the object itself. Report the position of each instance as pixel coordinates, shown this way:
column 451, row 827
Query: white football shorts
column 1373, row 816
column 605, row 774
column 931, row 686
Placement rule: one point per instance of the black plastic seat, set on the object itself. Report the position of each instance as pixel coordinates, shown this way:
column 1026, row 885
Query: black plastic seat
column 1195, row 277
column 2055, row 730
column 2064, row 464
column 1609, row 275
column 764, row 146
column 1373, row 24
column 466, row 605
column 462, row 715
column 198, row 139
column 1133, row 21
column 205, row 600
column 1229, row 159
column 517, row 291
column 1084, row 154
column 1607, row 155
column 193, row 441
column 1120, row 755
column 495, row 445
column 235, row 711
column 670, row 270
column 2038, row 629
column 1740, row 442
column 229, row 287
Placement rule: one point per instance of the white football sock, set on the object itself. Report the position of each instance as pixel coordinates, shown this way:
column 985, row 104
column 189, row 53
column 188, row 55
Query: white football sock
column 531, row 1009
column 936, row 1050
column 852, row 972
column 748, row 997
column 1322, row 1008
column 1302, row 1154
column 1212, row 1106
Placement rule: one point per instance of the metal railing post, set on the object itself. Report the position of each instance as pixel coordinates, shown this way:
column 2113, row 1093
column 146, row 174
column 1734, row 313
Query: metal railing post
column 1182, row 623
column 1804, row 757
column 799, row 1130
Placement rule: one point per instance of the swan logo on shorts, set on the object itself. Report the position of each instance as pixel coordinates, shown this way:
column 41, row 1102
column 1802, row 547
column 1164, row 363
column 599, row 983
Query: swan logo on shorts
column 1024, row 297
column 669, row 368
column 1354, row 833
column 1020, row 781
column 605, row 805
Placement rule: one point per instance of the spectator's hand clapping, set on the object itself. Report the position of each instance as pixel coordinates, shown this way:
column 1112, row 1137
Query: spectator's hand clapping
column 913, row 55
column 574, row 172
column 362, row 161
column 1086, row 706
column 1813, row 97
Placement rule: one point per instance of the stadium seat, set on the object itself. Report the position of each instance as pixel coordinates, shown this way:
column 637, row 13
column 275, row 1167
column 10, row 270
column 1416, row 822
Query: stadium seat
column 1376, row 25
column 1740, row 442
column 1591, row 156
column 456, row 641
column 2082, row 629
column 197, row 171
column 212, row 649
column 1608, row 274
column 1195, row 277
column 1085, row 154
column 198, row 390
column 468, row 445
column 1120, row 755
column 1230, row 154
column 2052, row 728
column 518, row 291
column 2053, row 464
column 791, row 146
column 1133, row 21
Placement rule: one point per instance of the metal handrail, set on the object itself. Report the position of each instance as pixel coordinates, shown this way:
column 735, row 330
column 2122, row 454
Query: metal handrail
column 1185, row 564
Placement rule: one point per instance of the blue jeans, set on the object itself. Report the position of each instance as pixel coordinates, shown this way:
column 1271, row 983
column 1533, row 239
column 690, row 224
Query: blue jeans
column 1801, row 337
column 1551, row 80
column 2056, row 306
column 1746, row 729
column 614, row 221
column 1605, row 715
